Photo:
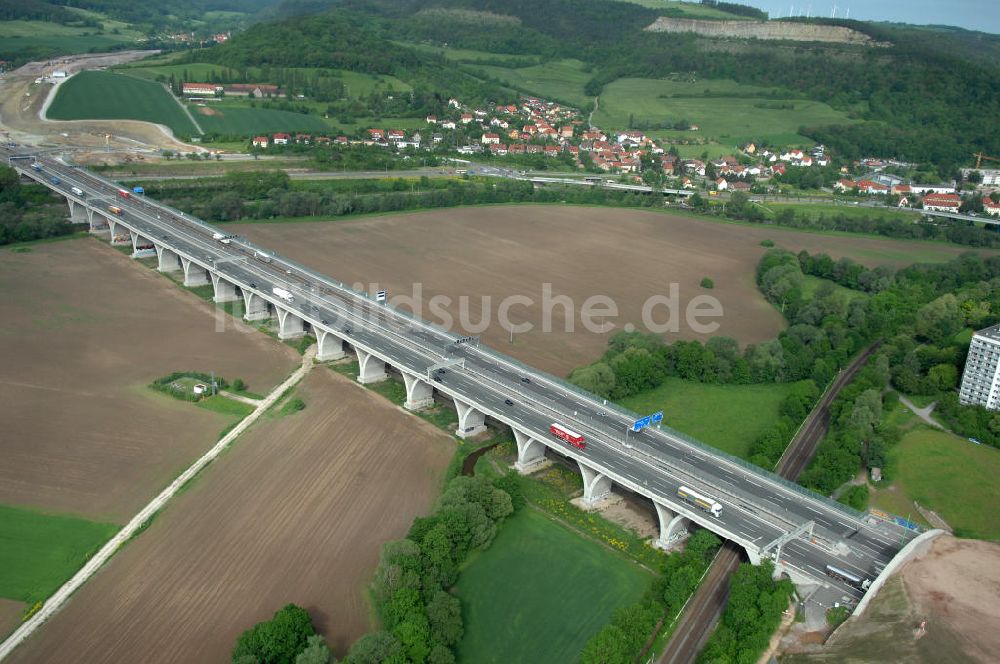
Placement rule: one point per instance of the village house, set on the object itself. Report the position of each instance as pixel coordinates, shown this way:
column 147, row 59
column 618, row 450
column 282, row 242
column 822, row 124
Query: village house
column 466, row 118
column 942, row 202
column 304, row 139
column 721, row 184
column 432, row 119
column 199, row 89
column 844, row 184
column 870, row 187
column 491, row 139
column 739, row 186
column 260, row 142
column 281, row 139
column 991, row 208
column 256, row 90
column 448, row 124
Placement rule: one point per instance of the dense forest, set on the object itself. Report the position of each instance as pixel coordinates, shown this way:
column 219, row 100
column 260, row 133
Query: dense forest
column 922, row 102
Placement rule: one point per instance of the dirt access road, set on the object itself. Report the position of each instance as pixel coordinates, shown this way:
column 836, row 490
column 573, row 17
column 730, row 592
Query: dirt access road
column 85, row 330
column 295, row 511
column 22, row 101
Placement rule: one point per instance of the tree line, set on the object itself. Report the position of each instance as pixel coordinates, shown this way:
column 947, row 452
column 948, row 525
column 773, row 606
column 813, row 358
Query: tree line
column 740, row 207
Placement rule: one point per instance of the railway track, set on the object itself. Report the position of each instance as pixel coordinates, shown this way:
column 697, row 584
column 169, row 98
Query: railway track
column 708, row 602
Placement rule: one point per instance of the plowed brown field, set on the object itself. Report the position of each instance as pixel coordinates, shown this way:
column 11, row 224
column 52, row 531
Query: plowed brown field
column 83, row 332
column 296, row 512
column 628, row 255
column 10, row 615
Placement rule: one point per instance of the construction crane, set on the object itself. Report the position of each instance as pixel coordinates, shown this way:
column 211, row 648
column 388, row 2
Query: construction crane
column 980, row 157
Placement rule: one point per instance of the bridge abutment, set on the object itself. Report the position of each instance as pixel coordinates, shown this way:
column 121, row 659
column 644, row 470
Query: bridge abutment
column 596, row 485
column 255, row 307
column 225, row 291
column 673, row 527
column 290, row 326
column 194, row 274
column 530, row 453
column 419, row 393
column 471, row 421
column 370, row 368
column 330, row 346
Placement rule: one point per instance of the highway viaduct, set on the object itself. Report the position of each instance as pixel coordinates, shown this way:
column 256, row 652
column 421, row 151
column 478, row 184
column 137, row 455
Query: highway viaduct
column 767, row 516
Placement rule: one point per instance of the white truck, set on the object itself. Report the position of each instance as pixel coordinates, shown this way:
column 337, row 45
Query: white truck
column 283, row 294
column 224, row 239
column 262, row 257
column 77, row 191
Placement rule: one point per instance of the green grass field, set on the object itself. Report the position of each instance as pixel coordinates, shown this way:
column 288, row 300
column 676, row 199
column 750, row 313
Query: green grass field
column 540, row 592
column 730, row 120
column 847, row 210
column 103, row 95
column 728, row 417
column 39, row 552
column 947, row 474
column 244, row 120
column 558, row 79
column 812, row 284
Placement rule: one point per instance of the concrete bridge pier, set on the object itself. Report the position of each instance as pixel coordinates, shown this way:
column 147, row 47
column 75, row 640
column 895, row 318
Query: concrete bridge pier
column 290, row 326
column 419, row 393
column 753, row 555
column 78, row 212
column 370, row 368
column 471, row 422
column 530, row 453
column 194, row 274
column 330, row 346
column 168, row 260
column 141, row 243
column 225, row 291
column 119, row 234
column 595, row 485
column 673, row 527
column 97, row 223
column 255, row 307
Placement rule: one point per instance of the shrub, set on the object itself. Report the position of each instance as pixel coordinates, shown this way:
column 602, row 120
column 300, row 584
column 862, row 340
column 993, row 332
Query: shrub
column 767, row 243
column 856, row 497
column 707, row 283
column 278, row 640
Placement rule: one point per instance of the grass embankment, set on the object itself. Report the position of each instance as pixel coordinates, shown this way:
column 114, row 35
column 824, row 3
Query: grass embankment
column 948, row 474
column 39, row 552
column 540, row 592
column 103, row 95
column 728, row 417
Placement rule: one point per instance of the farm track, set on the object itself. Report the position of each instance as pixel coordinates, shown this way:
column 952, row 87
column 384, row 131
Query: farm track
column 706, row 606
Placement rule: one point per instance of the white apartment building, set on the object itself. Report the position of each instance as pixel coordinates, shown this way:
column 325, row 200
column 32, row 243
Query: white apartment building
column 981, row 378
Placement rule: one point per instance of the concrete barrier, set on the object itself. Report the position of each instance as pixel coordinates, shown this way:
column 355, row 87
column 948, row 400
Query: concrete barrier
column 916, row 546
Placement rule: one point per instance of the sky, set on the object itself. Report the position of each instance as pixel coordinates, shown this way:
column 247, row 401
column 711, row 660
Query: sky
column 982, row 15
